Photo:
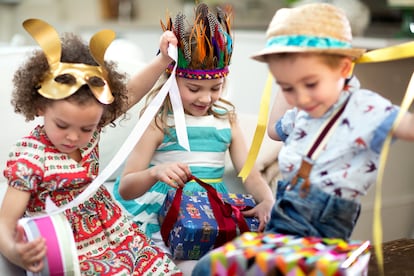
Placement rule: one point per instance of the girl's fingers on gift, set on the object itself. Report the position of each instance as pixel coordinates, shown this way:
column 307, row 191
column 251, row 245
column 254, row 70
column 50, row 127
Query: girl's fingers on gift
column 257, row 213
column 33, row 256
column 263, row 223
column 173, row 184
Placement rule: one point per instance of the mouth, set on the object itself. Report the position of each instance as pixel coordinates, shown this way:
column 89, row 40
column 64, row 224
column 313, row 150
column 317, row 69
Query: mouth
column 201, row 107
column 310, row 109
column 69, row 147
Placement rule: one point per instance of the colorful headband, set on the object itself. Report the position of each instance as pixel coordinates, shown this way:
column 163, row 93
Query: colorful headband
column 48, row 39
column 204, row 51
column 199, row 74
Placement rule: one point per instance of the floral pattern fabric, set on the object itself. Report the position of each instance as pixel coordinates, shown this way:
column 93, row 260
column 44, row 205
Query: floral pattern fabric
column 107, row 242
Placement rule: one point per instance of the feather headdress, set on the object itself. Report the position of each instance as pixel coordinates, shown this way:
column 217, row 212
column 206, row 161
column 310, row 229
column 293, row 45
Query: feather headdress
column 205, row 46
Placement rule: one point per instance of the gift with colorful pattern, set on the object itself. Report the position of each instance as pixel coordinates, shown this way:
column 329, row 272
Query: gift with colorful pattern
column 277, row 254
column 194, row 223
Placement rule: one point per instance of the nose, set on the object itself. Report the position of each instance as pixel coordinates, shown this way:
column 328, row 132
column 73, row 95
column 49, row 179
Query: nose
column 72, row 136
column 205, row 98
column 302, row 98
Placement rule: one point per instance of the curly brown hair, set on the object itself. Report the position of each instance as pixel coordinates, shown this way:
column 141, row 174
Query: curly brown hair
column 27, row 101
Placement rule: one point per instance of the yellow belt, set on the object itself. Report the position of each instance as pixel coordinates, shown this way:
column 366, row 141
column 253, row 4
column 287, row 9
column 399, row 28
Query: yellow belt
column 210, row 180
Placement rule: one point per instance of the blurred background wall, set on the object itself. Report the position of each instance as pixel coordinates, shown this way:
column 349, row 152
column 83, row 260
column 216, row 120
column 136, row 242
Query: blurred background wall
column 249, row 14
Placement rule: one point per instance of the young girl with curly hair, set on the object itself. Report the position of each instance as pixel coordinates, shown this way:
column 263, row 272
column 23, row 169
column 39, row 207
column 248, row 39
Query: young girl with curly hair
column 77, row 93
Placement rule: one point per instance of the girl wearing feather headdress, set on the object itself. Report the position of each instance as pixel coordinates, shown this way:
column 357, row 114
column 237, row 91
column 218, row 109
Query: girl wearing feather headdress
column 158, row 162
column 77, row 93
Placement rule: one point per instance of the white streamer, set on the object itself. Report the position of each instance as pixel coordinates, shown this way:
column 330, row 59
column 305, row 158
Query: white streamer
column 171, row 87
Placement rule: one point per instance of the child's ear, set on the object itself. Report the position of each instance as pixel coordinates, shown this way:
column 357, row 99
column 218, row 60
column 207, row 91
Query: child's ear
column 346, row 67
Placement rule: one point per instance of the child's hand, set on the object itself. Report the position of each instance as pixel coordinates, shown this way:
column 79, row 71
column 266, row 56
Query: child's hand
column 30, row 254
column 174, row 174
column 166, row 39
column 262, row 212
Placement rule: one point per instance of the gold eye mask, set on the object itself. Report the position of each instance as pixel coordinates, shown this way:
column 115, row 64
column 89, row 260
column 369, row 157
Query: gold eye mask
column 48, row 39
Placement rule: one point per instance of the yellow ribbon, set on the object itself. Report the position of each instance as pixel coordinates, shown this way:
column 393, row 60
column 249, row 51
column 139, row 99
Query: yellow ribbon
column 377, row 225
column 210, row 180
column 400, row 51
column 260, row 130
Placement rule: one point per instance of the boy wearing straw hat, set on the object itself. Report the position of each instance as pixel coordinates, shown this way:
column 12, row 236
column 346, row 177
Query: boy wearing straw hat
column 333, row 130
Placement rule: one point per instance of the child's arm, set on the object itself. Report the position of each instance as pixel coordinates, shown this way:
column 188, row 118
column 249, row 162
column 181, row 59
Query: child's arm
column 280, row 106
column 144, row 80
column 255, row 183
column 405, row 130
column 137, row 178
column 13, row 243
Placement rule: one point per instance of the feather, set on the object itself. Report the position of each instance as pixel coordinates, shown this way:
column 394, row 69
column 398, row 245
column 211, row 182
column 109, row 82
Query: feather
column 201, row 46
column 207, row 43
column 163, row 27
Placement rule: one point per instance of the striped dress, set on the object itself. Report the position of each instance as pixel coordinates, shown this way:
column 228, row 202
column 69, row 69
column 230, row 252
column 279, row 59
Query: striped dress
column 209, row 138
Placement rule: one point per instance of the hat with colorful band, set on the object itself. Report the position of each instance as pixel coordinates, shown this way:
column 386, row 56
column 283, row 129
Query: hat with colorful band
column 316, row 27
column 205, row 45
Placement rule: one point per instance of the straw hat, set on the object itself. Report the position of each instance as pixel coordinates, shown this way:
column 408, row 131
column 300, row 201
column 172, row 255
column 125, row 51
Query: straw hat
column 316, row 27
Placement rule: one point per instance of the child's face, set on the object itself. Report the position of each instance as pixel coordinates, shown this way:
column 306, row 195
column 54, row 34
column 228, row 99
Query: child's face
column 69, row 126
column 308, row 83
column 199, row 95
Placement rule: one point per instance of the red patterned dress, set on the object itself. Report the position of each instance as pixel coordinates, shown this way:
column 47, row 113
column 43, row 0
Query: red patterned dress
column 108, row 243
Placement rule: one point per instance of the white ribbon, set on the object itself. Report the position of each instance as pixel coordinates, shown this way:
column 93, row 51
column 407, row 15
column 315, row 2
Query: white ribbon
column 171, row 87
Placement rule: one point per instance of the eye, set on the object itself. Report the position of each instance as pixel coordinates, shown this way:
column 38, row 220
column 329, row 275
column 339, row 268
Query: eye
column 311, row 85
column 287, row 89
column 61, row 126
column 66, row 79
column 193, row 89
column 87, row 130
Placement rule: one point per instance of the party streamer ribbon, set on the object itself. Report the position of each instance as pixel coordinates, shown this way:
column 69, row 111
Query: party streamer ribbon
column 170, row 87
column 400, row 51
column 260, row 130
column 377, row 224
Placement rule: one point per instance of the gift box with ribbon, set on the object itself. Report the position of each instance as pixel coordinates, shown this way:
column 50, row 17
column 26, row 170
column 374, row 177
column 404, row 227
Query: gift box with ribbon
column 277, row 254
column 192, row 224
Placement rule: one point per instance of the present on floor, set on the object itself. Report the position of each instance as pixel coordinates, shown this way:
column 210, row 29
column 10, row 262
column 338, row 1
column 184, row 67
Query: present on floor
column 196, row 229
column 278, row 254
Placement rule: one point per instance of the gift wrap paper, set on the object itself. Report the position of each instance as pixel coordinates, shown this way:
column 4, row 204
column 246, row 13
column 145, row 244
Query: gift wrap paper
column 277, row 254
column 194, row 233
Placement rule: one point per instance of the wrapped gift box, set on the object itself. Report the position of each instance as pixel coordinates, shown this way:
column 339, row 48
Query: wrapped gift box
column 276, row 254
column 194, row 234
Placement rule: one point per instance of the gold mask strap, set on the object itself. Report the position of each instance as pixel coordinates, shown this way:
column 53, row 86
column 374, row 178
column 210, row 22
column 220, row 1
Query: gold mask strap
column 49, row 40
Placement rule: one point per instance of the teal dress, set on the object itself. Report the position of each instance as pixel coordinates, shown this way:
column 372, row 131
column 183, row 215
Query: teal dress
column 209, row 138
